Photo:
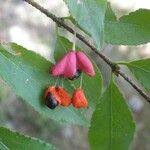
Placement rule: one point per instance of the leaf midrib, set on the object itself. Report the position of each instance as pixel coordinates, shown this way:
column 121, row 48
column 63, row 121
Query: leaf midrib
column 110, row 118
column 134, row 66
column 3, row 146
column 124, row 23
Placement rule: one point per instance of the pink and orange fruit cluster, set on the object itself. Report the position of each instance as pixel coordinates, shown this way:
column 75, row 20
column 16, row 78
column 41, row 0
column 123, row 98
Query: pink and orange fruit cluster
column 55, row 96
column 70, row 66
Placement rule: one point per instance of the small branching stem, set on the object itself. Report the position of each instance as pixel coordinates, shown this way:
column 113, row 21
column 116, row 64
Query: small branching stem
column 115, row 68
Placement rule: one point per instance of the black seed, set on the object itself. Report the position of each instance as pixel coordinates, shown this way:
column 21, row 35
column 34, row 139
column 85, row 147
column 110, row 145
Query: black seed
column 78, row 73
column 51, row 101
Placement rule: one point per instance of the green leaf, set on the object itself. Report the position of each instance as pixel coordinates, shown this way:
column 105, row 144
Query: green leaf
column 27, row 74
column 132, row 29
column 17, row 141
column 112, row 126
column 92, row 85
column 141, row 70
column 109, row 15
column 90, row 16
column 3, row 147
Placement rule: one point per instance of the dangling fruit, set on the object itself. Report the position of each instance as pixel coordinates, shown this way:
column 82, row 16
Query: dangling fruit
column 51, row 98
column 51, row 101
column 64, row 96
column 72, row 64
column 78, row 99
column 55, row 96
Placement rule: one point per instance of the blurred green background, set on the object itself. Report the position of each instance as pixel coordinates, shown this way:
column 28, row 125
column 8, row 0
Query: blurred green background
column 26, row 26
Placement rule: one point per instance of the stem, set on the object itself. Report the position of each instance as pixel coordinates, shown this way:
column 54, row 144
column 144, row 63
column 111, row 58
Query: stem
column 74, row 41
column 81, row 81
column 142, row 93
column 56, row 82
column 115, row 68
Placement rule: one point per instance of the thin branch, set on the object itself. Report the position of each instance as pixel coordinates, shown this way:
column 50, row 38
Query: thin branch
column 115, row 68
column 61, row 23
column 141, row 92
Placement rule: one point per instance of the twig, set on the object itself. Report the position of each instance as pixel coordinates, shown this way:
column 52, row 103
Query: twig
column 142, row 93
column 115, row 68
